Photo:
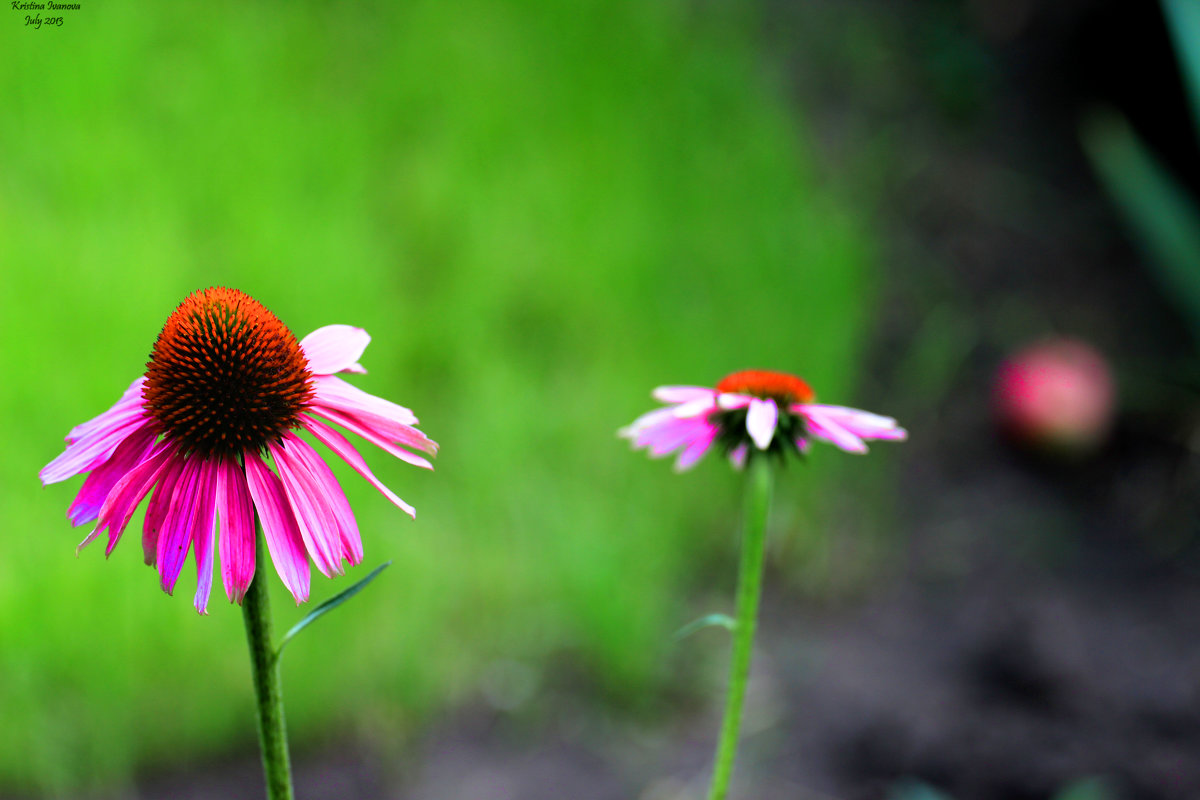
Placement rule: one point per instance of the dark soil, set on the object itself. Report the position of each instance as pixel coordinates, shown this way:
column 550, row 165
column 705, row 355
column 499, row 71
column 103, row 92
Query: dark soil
column 1038, row 623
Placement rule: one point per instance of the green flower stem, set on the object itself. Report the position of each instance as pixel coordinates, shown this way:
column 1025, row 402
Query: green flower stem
column 264, row 664
column 758, row 505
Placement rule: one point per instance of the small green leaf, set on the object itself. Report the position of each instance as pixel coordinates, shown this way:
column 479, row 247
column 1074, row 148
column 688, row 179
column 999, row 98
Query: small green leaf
column 327, row 606
column 718, row 620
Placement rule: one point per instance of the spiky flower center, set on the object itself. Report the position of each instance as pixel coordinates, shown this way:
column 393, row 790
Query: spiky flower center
column 225, row 375
column 778, row 386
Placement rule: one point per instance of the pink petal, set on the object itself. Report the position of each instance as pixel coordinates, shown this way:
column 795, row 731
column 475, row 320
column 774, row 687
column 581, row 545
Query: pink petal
column 681, row 394
column 827, row 429
column 131, row 400
column 131, row 452
column 159, row 506
column 668, row 438
column 175, row 537
column 335, row 348
column 648, row 420
column 236, row 542
column 125, row 496
column 334, row 392
column 204, row 531
column 340, row 445
column 696, row 449
column 330, row 492
column 861, row 423
column 190, row 509
column 316, row 519
column 284, row 542
column 848, row 427
column 355, row 425
column 90, row 451
column 761, row 420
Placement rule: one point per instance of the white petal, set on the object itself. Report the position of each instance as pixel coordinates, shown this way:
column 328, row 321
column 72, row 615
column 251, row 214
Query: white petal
column 761, row 420
column 728, row 401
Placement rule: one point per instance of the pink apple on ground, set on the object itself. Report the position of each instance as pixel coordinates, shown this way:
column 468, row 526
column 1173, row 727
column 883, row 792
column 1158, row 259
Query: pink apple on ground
column 1057, row 395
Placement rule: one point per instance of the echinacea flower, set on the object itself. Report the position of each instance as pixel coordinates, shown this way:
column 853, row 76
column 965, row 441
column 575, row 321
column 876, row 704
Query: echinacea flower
column 768, row 411
column 228, row 385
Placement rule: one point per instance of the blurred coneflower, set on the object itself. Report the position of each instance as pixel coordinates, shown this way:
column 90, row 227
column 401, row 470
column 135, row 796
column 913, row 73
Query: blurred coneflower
column 752, row 410
column 750, row 414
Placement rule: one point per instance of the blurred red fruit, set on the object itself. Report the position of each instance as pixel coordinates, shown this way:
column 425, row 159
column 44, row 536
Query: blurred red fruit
column 1056, row 396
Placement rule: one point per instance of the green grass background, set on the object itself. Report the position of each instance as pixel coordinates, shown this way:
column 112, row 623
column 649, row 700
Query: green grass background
column 539, row 211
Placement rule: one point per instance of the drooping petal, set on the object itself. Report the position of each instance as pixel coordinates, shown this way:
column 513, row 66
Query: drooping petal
column 125, row 496
column 335, row 348
column 204, row 530
column 863, row 424
column 696, row 449
column 334, row 399
column 131, row 401
column 158, row 507
column 188, row 504
column 669, row 437
column 89, row 451
column 695, row 408
column 761, row 420
column 131, row 452
column 329, row 490
column 680, row 394
column 332, row 391
column 340, row 445
column 355, row 425
column 236, row 543
column 827, row 428
column 317, row 521
column 648, row 420
column 847, row 428
column 284, row 542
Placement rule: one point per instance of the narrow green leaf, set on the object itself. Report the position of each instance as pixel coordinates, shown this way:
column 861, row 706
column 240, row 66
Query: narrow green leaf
column 1086, row 789
column 915, row 790
column 1161, row 214
column 327, row 606
column 712, row 620
column 1183, row 21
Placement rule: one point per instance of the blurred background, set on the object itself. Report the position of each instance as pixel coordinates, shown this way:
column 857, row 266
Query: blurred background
column 542, row 211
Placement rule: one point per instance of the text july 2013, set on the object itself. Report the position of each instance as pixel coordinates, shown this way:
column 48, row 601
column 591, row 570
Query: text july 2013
column 38, row 22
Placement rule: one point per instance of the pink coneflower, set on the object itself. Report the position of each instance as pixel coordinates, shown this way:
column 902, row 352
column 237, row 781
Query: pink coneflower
column 769, row 411
column 227, row 384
